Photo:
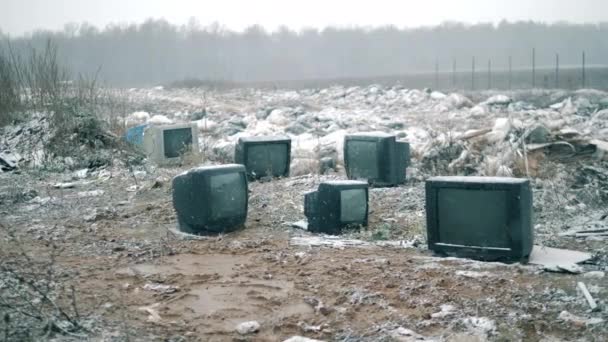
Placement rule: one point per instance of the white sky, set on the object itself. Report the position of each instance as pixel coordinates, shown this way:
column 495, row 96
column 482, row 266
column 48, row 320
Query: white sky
column 21, row 16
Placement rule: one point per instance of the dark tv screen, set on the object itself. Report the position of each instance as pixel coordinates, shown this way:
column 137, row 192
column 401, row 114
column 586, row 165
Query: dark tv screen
column 228, row 196
column 353, row 205
column 471, row 217
column 362, row 159
column 176, row 141
column 263, row 158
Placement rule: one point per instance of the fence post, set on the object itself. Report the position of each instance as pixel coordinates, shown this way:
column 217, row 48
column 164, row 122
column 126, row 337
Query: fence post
column 436, row 74
column 533, row 67
column 454, row 73
column 583, row 76
column 490, row 73
column 510, row 72
column 557, row 71
column 473, row 74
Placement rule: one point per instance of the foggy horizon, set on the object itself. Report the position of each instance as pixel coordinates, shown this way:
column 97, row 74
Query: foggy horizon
column 154, row 42
column 25, row 17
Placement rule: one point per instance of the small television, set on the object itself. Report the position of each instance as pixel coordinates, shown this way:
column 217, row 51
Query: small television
column 264, row 156
column 376, row 157
column 484, row 218
column 168, row 144
column 337, row 205
column 211, row 199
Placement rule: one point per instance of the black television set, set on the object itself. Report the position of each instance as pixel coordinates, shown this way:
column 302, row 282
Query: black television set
column 376, row 157
column 264, row 156
column 337, row 205
column 483, row 218
column 211, row 199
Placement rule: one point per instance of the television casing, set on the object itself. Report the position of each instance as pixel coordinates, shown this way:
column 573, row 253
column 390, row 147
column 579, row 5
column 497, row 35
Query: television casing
column 154, row 143
column 392, row 158
column 518, row 225
column 322, row 208
column 245, row 143
column 190, row 199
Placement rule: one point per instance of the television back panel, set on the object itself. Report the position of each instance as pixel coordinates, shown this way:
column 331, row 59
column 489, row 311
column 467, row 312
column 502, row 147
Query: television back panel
column 266, row 156
column 333, row 212
column 487, row 218
column 377, row 157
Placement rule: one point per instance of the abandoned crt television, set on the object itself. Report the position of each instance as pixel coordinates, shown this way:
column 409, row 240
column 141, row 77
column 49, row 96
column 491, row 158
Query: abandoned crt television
column 377, row 157
column 484, row 218
column 265, row 156
column 168, row 144
column 337, row 205
column 211, row 199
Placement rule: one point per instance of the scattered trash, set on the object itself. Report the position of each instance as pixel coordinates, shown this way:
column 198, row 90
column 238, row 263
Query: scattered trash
column 165, row 289
column 152, row 310
column 92, row 193
column 301, row 339
column 594, row 274
column 592, row 304
column 481, row 326
column 402, row 334
column 473, row 274
column 302, row 224
column 556, row 259
column 64, row 185
column 446, row 310
column 8, row 162
column 246, row 328
column 579, row 321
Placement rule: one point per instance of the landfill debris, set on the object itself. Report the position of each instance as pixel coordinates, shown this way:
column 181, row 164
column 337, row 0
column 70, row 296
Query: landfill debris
column 166, row 289
column 246, row 328
column 301, row 339
column 579, row 321
column 446, row 310
column 548, row 136
column 473, row 274
column 152, row 310
column 557, row 259
column 481, row 326
column 402, row 334
column 92, row 193
column 592, row 304
column 594, row 274
column 8, row 162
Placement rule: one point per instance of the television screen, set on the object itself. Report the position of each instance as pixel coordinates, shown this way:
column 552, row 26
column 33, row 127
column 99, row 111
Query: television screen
column 227, row 196
column 362, row 159
column 485, row 218
column 473, row 217
column 176, row 141
column 353, row 205
column 267, row 159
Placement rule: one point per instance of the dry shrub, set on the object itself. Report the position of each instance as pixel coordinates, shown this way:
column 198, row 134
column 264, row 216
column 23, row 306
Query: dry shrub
column 37, row 299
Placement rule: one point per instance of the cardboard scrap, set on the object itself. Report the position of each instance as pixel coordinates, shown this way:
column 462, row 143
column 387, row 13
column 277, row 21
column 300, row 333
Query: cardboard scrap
column 558, row 260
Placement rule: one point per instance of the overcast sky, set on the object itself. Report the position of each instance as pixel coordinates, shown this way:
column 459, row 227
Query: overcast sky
column 21, row 16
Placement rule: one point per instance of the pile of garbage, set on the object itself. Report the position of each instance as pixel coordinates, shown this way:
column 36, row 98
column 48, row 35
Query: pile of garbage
column 41, row 144
column 482, row 133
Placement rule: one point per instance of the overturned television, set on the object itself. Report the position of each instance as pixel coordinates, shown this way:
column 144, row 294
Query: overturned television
column 170, row 144
column 264, row 156
column 337, row 205
column 483, row 218
column 211, row 200
column 376, row 157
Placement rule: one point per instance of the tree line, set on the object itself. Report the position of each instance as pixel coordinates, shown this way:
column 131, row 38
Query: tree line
column 157, row 52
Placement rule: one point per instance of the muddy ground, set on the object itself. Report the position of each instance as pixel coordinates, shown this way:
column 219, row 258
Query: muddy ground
column 94, row 255
column 135, row 279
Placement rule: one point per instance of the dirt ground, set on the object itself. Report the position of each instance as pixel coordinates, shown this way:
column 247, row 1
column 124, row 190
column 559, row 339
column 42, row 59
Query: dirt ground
column 136, row 280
